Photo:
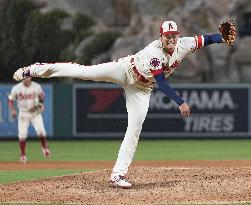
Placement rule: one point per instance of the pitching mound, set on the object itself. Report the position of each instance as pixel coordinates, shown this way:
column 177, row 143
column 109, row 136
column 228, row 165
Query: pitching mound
column 162, row 185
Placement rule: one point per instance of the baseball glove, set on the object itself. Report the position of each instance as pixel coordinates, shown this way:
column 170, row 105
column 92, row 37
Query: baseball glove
column 37, row 108
column 228, row 32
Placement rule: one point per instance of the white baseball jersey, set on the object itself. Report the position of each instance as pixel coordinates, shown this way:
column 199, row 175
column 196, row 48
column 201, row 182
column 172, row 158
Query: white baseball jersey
column 152, row 59
column 26, row 97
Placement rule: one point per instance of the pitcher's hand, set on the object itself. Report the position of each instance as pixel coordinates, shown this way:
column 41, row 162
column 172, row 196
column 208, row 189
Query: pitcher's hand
column 184, row 110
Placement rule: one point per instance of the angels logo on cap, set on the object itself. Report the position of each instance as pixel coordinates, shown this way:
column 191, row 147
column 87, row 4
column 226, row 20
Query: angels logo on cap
column 169, row 27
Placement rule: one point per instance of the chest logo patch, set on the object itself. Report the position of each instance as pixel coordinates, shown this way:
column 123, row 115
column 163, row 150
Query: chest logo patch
column 155, row 62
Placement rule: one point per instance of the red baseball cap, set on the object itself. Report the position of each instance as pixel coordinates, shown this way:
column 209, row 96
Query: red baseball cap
column 169, row 27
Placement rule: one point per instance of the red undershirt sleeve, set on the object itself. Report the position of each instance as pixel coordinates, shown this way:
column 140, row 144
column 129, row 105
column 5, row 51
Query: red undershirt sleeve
column 156, row 72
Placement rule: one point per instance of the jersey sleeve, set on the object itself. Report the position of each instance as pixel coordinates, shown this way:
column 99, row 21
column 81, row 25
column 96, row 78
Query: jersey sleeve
column 13, row 94
column 191, row 44
column 40, row 92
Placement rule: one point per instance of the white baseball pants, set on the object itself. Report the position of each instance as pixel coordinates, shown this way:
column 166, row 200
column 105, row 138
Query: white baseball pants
column 137, row 102
column 24, row 122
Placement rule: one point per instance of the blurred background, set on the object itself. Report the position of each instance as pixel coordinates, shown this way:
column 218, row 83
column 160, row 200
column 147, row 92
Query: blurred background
column 214, row 80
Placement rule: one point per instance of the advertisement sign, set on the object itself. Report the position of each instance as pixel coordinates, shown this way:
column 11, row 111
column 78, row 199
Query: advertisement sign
column 217, row 111
column 9, row 126
column 100, row 111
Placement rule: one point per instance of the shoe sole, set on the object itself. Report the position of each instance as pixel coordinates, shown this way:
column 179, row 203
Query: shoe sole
column 113, row 184
column 16, row 78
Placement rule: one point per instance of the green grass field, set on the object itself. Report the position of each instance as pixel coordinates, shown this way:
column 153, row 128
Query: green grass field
column 89, row 150
column 147, row 150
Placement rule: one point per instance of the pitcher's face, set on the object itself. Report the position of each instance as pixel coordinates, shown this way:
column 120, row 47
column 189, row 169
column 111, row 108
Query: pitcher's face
column 169, row 41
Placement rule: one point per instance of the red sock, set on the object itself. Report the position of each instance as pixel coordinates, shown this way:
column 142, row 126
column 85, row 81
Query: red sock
column 43, row 142
column 22, row 144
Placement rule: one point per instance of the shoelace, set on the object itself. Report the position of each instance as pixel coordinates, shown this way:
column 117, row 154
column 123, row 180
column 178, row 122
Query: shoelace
column 123, row 178
column 26, row 73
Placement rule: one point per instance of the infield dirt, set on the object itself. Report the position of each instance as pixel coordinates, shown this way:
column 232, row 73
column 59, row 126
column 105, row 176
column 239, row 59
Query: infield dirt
column 154, row 182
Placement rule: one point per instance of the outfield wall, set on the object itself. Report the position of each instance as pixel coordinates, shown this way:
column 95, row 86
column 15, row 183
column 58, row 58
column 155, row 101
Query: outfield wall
column 98, row 111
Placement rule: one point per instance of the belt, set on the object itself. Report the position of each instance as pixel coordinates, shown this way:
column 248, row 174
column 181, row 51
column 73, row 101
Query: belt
column 136, row 72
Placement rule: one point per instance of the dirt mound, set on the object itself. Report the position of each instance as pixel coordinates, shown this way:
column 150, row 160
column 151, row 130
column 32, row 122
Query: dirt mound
column 163, row 185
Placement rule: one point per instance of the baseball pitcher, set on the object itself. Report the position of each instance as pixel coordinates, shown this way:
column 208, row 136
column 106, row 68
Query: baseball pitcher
column 29, row 96
column 137, row 74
